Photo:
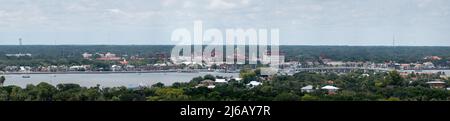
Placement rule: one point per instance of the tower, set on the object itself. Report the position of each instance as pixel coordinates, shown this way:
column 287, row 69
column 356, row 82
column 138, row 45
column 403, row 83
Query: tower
column 393, row 40
column 20, row 41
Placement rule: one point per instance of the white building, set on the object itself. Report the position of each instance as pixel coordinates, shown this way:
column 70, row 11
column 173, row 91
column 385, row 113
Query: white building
column 238, row 79
column 330, row 89
column 86, row 55
column 254, row 84
column 221, row 81
column 428, row 65
column 308, row 89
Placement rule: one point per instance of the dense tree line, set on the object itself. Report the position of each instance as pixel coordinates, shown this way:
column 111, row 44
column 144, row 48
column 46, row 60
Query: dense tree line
column 71, row 54
column 402, row 54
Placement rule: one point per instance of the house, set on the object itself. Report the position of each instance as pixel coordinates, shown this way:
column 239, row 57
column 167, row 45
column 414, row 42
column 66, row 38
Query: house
column 238, row 79
column 428, row 65
column 405, row 66
column 330, row 89
column 211, row 86
column 443, row 76
column 437, row 84
column 365, row 75
column 335, row 63
column 116, row 68
column 254, row 84
column 206, row 83
column 267, row 72
column 108, row 57
column 221, row 81
column 308, row 89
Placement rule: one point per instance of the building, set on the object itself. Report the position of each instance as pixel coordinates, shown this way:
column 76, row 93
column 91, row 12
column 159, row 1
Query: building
column 221, row 81
column 86, row 55
column 18, row 55
column 124, row 62
column 335, row 63
column 267, row 72
column 108, row 57
column 238, row 79
column 443, row 76
column 308, row 89
column 206, row 83
column 428, row 65
column 330, row 89
column 437, row 84
column 432, row 58
column 116, row 68
column 254, row 84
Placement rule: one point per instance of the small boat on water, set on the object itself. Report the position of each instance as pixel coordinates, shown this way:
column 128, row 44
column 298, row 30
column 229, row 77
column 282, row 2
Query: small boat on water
column 26, row 76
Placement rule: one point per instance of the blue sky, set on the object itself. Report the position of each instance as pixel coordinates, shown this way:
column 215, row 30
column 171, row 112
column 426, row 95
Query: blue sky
column 301, row 22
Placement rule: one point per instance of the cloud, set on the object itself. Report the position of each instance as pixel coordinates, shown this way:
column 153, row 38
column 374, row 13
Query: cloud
column 188, row 4
column 294, row 16
column 168, row 2
column 220, row 4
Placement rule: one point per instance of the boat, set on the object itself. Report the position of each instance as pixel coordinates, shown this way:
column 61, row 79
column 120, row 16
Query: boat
column 26, row 76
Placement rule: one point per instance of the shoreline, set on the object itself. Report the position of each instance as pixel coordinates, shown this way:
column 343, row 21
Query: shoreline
column 101, row 72
column 157, row 71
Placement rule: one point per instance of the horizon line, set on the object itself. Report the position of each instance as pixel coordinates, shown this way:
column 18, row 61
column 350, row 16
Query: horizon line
column 223, row 45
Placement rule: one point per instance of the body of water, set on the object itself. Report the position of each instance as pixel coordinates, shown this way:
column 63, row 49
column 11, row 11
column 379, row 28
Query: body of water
column 447, row 72
column 108, row 80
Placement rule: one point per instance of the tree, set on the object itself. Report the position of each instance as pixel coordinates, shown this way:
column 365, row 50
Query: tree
column 168, row 94
column 196, row 80
column 287, row 97
column 247, row 75
column 395, row 79
column 45, row 91
column 158, row 85
column 209, row 77
column 3, row 95
column 308, row 97
column 2, row 80
column 393, row 99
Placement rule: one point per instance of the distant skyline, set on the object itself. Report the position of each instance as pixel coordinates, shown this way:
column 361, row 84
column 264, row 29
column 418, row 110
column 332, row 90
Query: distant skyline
column 151, row 22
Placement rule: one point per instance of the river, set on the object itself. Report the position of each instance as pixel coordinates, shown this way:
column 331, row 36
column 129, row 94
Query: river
column 108, row 80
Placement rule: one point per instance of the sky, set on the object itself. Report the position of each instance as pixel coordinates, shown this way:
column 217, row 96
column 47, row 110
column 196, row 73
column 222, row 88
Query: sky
column 151, row 22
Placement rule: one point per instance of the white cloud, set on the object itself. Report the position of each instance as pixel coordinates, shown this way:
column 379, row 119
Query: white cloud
column 220, row 4
column 168, row 2
column 188, row 4
column 298, row 15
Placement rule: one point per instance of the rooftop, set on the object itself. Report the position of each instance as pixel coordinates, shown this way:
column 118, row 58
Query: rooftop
column 436, row 82
column 221, row 81
column 328, row 87
column 309, row 87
